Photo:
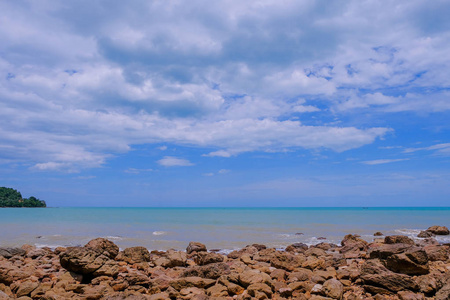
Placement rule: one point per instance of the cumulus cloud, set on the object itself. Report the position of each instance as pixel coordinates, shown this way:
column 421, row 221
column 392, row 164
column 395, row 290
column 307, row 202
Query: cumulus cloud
column 170, row 161
column 234, row 77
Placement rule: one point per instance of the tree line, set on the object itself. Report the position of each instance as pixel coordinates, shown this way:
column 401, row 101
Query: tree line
column 12, row 198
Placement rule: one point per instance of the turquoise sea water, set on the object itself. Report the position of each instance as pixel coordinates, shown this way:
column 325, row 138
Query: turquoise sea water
column 218, row 228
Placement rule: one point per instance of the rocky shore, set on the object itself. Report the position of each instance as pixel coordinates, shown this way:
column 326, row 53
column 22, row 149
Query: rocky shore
column 391, row 267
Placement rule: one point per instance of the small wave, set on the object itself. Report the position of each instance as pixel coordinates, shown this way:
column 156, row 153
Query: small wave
column 159, row 232
column 53, row 247
column 409, row 232
column 115, row 238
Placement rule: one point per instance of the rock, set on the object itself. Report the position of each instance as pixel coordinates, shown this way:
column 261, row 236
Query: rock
column 300, row 275
column 134, row 255
column 317, row 252
column 10, row 252
column 249, row 277
column 217, row 290
column 425, row 234
column 87, row 261
column 437, row 252
column 413, row 262
column 383, row 251
column 175, row 259
column 25, row 288
column 212, row 271
column 197, row 282
column 390, row 281
column 105, row 246
column 405, row 295
column 195, row 247
column 443, row 293
column 439, row 230
column 352, row 243
column 378, row 234
column 398, row 239
column 246, row 250
column 332, row 288
column 4, row 296
column 205, row 258
column 257, row 288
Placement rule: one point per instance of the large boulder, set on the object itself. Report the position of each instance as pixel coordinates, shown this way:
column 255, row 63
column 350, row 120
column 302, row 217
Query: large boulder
column 352, row 243
column 105, row 246
column 134, row 255
column 205, row 258
column 212, row 271
column 383, row 251
column 333, row 288
column 195, row 247
column 88, row 261
column 413, row 262
column 439, row 230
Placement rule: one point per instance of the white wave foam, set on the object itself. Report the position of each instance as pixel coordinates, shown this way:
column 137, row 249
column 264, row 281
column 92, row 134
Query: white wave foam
column 53, row 247
column 409, row 232
column 159, row 232
column 115, row 238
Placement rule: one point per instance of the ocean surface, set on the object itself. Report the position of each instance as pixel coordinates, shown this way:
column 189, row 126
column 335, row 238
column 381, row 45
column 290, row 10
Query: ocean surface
column 218, row 228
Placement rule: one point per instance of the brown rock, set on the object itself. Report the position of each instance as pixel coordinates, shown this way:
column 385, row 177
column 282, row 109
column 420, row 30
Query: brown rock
column 205, row 258
column 175, row 259
column 300, row 275
column 212, row 271
column 405, row 295
column 134, row 255
column 286, row 260
column 257, row 288
column 297, row 247
column 84, row 260
column 443, row 293
column 398, row 239
column 217, row 290
column 10, row 252
column 105, row 246
column 249, row 277
column 352, row 243
column 410, row 263
column 195, row 247
column 383, row 251
column 437, row 252
column 317, row 252
column 197, row 282
column 378, row 234
column 333, row 288
column 425, row 234
column 25, row 288
column 390, row 281
column 439, row 230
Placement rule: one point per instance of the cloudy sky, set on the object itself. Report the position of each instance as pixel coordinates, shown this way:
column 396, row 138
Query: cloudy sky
column 226, row 103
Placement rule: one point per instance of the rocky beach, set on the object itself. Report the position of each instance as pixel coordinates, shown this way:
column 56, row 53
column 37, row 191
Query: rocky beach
column 390, row 267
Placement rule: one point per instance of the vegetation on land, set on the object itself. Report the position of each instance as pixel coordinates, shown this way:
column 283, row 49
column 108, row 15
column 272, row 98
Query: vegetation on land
column 12, row 198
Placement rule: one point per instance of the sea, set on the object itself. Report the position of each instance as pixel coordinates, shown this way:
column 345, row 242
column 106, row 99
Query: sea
column 222, row 229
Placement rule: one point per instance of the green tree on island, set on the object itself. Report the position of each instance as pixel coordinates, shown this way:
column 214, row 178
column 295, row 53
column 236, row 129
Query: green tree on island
column 12, row 198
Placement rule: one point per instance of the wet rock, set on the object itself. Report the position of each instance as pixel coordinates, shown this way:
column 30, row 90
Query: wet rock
column 195, row 247
column 134, row 255
column 439, row 230
column 105, row 246
column 378, row 234
column 425, row 234
column 398, row 239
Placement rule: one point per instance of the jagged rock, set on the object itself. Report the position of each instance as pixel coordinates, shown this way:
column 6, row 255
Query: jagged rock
column 134, row 255
column 300, row 275
column 205, row 258
column 405, row 295
column 87, row 261
column 443, row 293
column 175, row 259
column 413, row 262
column 217, row 290
column 10, row 252
column 352, row 243
column 437, row 252
column 425, row 234
column 25, row 288
column 297, row 247
column 317, row 252
column 197, row 282
column 246, row 250
column 249, row 277
column 232, row 288
column 105, row 246
column 439, row 230
column 195, row 247
column 383, row 251
column 286, row 260
column 390, row 281
column 256, row 288
column 333, row 288
column 398, row 239
column 212, row 271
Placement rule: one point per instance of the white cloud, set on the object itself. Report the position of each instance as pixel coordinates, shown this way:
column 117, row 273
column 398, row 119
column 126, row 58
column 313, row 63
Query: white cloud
column 170, row 161
column 137, row 171
column 440, row 149
column 383, row 161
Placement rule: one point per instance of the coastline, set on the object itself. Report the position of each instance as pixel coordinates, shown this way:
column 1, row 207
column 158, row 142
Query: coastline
column 390, row 267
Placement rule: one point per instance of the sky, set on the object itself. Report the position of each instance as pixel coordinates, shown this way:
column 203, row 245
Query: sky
column 226, row 103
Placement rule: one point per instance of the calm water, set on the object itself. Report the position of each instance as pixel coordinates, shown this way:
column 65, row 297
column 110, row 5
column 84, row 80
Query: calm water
column 220, row 228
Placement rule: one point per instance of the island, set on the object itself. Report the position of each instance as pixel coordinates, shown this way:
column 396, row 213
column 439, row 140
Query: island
column 10, row 197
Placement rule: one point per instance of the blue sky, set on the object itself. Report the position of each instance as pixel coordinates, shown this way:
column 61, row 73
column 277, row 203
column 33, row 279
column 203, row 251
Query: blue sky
column 236, row 103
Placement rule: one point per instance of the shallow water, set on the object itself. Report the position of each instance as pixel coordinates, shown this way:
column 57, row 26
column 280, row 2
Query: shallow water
column 218, row 228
